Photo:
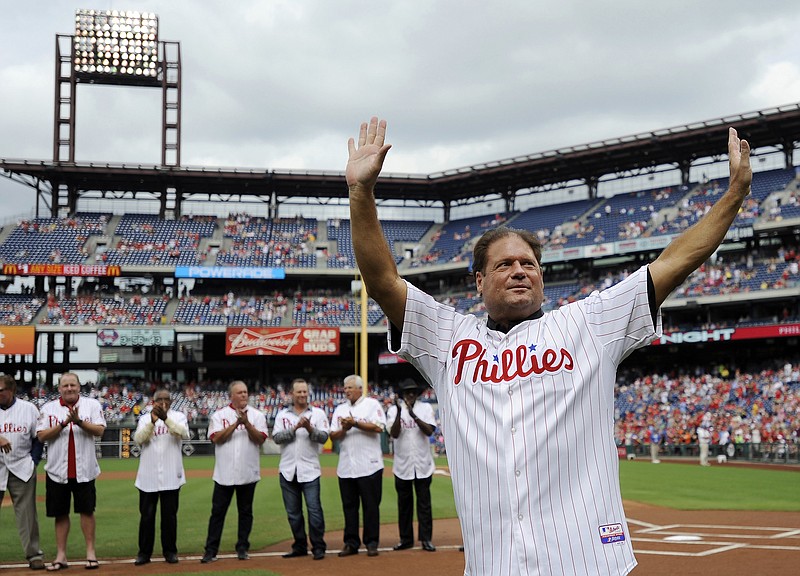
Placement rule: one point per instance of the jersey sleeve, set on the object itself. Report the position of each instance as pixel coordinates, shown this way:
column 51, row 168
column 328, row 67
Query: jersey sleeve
column 391, row 415
column 335, row 424
column 215, row 425
column 428, row 329
column 96, row 414
column 320, row 421
column 379, row 416
column 260, row 423
column 620, row 316
column 424, row 412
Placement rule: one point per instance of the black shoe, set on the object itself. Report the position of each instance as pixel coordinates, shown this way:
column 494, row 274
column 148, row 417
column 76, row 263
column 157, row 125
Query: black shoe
column 348, row 551
column 296, row 554
column 141, row 559
column 242, row 555
column 428, row 547
column 171, row 558
column 208, row 558
column 372, row 550
column 319, row 554
column 403, row 546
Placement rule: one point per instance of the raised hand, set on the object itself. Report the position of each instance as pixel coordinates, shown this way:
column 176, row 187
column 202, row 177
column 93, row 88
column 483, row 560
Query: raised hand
column 739, row 160
column 365, row 161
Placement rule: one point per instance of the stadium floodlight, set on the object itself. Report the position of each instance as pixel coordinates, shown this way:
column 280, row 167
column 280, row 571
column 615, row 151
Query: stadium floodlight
column 116, row 47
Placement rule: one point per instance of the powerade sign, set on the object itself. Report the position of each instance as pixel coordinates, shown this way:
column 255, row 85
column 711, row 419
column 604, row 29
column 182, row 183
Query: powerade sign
column 230, row 273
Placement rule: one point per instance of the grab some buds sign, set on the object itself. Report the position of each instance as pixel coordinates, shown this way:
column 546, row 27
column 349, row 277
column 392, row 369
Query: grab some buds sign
column 281, row 341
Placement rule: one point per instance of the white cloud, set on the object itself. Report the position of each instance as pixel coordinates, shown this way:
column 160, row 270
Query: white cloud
column 778, row 84
column 283, row 84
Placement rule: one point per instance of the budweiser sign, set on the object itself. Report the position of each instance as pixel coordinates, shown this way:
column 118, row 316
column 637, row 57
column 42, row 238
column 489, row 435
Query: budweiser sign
column 281, row 341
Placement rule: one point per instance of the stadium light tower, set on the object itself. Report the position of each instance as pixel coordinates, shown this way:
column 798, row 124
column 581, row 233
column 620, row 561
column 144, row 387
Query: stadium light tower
column 119, row 48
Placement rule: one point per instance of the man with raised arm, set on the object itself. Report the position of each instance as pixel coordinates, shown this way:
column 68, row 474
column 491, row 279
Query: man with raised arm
column 527, row 398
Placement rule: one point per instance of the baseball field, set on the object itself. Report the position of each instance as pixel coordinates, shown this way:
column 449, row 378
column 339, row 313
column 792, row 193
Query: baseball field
column 730, row 519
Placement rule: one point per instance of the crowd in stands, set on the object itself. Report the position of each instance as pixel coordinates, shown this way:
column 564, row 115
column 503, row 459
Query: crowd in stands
column 740, row 408
column 258, row 241
column 16, row 310
column 116, row 310
column 232, row 310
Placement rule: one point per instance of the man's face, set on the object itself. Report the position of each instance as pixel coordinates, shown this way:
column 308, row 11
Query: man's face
column 410, row 397
column 300, row 394
column 239, row 396
column 162, row 399
column 352, row 391
column 512, row 285
column 6, row 393
column 69, row 388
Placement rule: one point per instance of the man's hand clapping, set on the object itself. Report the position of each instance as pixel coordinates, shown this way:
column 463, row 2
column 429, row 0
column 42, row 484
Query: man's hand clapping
column 73, row 416
column 158, row 413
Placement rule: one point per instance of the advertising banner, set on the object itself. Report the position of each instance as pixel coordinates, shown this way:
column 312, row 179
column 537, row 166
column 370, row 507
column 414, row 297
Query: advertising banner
column 728, row 334
column 281, row 341
column 230, row 272
column 17, row 340
column 60, row 270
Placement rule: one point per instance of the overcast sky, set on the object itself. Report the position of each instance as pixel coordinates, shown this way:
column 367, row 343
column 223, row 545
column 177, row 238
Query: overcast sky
column 283, row 84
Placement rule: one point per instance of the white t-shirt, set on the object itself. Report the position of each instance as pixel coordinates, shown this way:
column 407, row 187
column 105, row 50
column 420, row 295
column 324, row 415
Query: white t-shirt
column 86, row 466
column 300, row 456
column 18, row 426
column 237, row 461
column 412, row 449
column 360, row 452
column 528, row 419
column 161, row 460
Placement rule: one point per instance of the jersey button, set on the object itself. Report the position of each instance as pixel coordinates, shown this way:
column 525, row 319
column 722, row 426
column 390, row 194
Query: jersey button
column 519, row 517
column 510, row 392
column 513, row 430
column 517, row 472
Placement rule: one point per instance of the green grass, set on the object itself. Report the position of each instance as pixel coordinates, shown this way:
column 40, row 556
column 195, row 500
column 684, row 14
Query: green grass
column 671, row 485
column 692, row 487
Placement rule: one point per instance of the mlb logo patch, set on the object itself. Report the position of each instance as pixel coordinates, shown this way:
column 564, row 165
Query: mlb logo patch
column 611, row 533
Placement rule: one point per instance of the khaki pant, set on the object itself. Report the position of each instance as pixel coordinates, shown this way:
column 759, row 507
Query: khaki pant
column 23, row 497
column 703, row 454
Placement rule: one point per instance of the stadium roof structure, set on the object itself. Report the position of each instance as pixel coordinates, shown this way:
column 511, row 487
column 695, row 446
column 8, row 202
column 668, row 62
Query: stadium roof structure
column 680, row 147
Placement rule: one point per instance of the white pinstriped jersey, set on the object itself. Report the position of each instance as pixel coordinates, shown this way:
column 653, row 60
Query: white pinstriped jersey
column 161, row 460
column 18, row 426
column 237, row 461
column 360, row 452
column 412, row 449
column 300, row 457
column 528, row 423
column 86, row 466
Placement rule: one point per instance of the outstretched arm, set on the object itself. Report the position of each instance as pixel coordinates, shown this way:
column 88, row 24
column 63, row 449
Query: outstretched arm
column 374, row 259
column 689, row 250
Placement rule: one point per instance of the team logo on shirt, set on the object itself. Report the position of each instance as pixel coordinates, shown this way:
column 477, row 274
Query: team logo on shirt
column 611, row 533
column 11, row 428
column 507, row 364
